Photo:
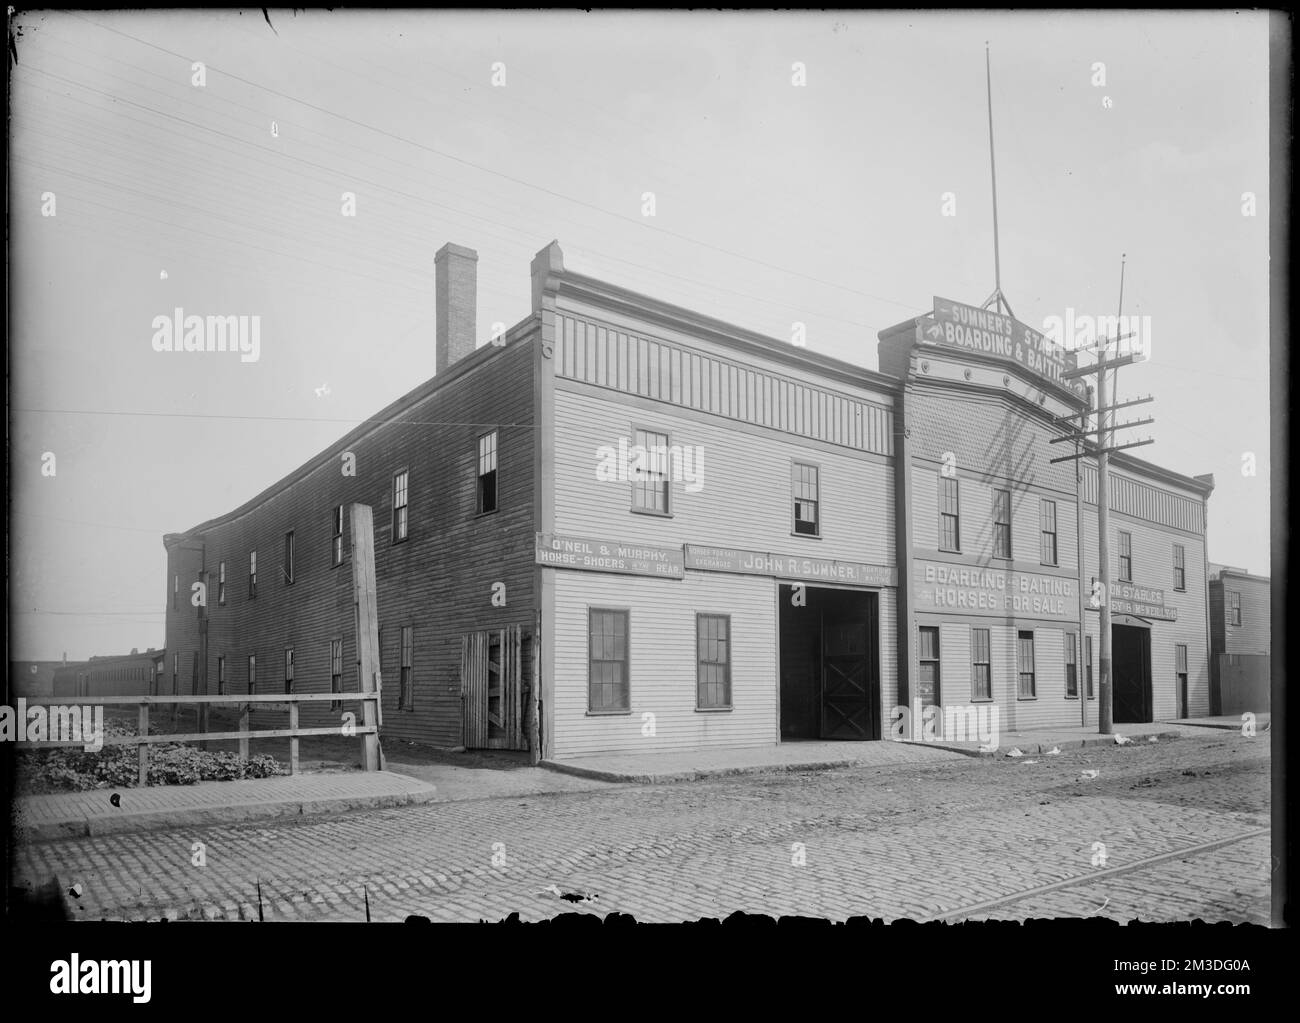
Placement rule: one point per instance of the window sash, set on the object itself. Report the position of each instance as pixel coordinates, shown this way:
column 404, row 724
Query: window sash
column 252, row 674
column 1027, row 686
column 651, row 483
column 949, row 514
column 805, row 488
column 981, row 665
column 401, row 488
column 336, row 539
column 608, row 684
column 1002, row 523
column 1071, row 664
column 713, row 661
column 288, row 557
column 406, row 695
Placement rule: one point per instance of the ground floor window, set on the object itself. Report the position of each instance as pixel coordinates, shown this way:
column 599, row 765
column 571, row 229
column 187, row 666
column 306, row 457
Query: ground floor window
column 336, row 672
column 608, row 685
column 406, row 697
column 981, row 665
column 1071, row 666
column 1027, row 689
column 713, row 662
column 927, row 651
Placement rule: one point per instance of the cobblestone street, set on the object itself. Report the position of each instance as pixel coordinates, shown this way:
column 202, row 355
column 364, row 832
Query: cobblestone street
column 1168, row 831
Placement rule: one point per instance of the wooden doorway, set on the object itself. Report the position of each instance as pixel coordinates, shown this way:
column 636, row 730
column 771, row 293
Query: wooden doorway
column 829, row 664
column 495, row 672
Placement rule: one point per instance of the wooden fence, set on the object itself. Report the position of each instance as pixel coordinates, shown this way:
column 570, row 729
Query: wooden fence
column 367, row 733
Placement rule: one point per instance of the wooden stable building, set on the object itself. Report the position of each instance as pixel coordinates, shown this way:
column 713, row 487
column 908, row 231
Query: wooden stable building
column 664, row 532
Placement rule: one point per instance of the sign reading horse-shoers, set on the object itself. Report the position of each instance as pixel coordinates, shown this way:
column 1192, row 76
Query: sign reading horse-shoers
column 591, row 555
column 743, row 562
column 956, row 325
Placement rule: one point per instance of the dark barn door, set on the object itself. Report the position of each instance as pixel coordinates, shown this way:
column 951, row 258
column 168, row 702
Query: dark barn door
column 1131, row 667
column 846, row 688
column 830, row 666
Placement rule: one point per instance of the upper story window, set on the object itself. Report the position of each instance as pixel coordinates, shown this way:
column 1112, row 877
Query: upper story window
column 252, row 574
column 651, row 484
column 486, row 488
column 1234, row 607
column 1002, row 523
column 288, row 558
column 400, row 485
column 288, row 669
column 336, row 539
column 805, row 490
column 1180, row 567
column 949, row 514
column 176, row 591
column 1047, row 524
column 221, row 583
column 1125, row 557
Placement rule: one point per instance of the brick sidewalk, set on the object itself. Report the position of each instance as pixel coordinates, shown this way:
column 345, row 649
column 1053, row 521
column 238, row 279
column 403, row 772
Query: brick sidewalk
column 72, row 814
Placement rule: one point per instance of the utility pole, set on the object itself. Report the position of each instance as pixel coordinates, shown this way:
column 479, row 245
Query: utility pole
column 1102, row 448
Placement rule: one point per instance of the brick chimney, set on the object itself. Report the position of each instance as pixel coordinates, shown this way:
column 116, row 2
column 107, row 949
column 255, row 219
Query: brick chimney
column 455, row 284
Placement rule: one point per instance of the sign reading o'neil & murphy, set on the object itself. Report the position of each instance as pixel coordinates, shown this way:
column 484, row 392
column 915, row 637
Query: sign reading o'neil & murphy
column 591, row 555
column 956, row 325
column 786, row 566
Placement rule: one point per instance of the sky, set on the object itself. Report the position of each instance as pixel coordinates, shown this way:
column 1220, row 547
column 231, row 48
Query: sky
column 830, row 169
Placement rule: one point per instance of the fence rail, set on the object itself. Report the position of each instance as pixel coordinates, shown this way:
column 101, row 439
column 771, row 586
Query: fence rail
column 367, row 733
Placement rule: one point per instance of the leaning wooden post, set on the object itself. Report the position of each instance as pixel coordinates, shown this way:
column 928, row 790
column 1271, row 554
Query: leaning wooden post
column 143, row 748
column 367, row 623
column 534, row 694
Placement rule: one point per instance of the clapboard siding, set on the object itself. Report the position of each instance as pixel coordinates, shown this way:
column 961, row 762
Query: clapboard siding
column 1252, row 635
column 439, row 580
column 1153, row 567
column 662, row 666
column 975, row 524
column 745, row 499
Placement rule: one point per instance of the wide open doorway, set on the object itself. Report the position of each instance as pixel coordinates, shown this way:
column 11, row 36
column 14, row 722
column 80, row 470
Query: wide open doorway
column 830, row 663
column 1131, row 672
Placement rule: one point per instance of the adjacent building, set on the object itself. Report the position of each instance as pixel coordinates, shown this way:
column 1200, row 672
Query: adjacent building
column 133, row 674
column 674, row 533
column 1239, row 641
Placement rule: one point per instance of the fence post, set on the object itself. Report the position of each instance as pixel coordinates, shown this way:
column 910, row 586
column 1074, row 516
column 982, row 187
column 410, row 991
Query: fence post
column 243, row 729
column 143, row 748
column 293, row 739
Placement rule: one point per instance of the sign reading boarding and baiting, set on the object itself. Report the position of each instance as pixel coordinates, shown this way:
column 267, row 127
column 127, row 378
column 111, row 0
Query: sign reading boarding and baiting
column 743, row 562
column 956, row 325
column 608, row 556
column 970, row 589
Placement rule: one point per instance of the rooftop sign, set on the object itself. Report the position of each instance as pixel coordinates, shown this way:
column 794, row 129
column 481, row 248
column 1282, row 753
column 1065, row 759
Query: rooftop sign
column 955, row 325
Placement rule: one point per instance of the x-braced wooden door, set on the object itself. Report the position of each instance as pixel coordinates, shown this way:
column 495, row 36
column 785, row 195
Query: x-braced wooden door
column 495, row 670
